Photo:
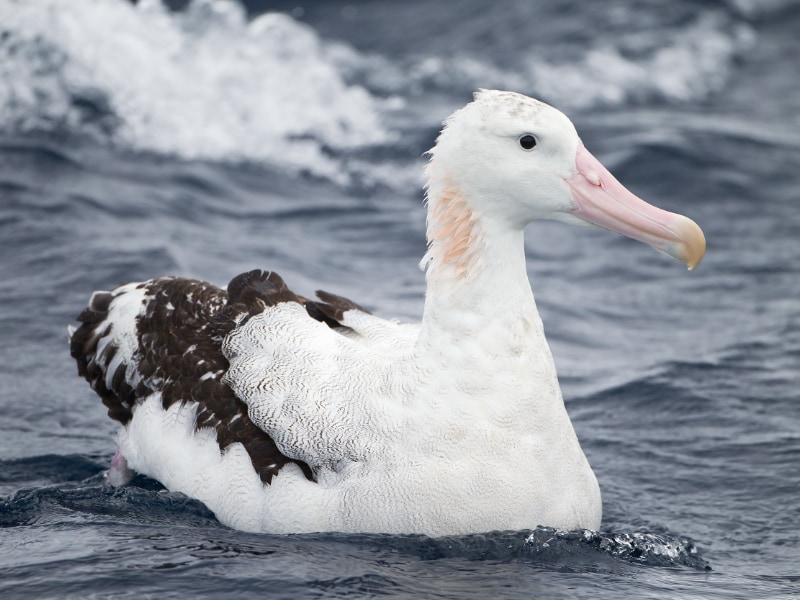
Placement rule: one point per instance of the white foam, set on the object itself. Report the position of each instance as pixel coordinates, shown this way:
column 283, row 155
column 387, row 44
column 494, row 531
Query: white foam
column 682, row 65
column 674, row 63
column 204, row 83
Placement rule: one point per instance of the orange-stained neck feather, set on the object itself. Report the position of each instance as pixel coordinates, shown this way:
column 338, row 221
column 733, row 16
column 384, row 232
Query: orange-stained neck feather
column 454, row 232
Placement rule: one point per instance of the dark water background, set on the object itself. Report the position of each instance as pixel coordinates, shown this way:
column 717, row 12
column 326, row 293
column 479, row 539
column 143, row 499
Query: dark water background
column 136, row 141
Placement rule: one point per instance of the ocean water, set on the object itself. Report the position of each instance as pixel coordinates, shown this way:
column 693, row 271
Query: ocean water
column 210, row 137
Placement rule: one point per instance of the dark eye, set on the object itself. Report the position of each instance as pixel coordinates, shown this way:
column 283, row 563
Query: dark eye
column 527, row 141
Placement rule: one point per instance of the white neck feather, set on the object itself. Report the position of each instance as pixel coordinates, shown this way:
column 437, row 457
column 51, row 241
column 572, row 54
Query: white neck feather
column 480, row 322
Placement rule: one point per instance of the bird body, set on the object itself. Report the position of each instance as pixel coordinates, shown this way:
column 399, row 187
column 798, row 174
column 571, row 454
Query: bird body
column 285, row 414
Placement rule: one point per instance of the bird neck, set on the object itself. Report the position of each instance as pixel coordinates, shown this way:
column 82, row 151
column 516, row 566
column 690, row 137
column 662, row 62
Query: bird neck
column 478, row 292
column 481, row 340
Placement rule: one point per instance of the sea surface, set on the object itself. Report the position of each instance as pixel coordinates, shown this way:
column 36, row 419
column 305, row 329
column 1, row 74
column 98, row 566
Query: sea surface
column 210, row 137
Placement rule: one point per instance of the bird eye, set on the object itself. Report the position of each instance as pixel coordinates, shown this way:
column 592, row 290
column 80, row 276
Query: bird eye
column 527, row 142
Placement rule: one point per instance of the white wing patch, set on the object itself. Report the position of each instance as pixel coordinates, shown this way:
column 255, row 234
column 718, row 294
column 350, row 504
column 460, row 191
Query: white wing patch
column 325, row 399
column 127, row 305
column 388, row 337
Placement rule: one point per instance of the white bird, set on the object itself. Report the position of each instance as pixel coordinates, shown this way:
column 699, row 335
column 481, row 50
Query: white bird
column 284, row 414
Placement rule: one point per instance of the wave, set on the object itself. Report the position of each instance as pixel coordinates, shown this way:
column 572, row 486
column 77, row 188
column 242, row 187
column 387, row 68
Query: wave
column 82, row 494
column 674, row 63
column 207, row 83
column 201, row 84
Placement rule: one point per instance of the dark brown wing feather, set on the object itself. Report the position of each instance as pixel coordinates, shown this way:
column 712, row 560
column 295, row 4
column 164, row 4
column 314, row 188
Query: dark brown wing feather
column 180, row 333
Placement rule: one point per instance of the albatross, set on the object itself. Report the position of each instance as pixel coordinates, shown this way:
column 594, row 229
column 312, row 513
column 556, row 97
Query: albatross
column 287, row 414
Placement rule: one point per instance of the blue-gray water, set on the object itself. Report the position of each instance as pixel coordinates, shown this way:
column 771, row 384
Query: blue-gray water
column 137, row 142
